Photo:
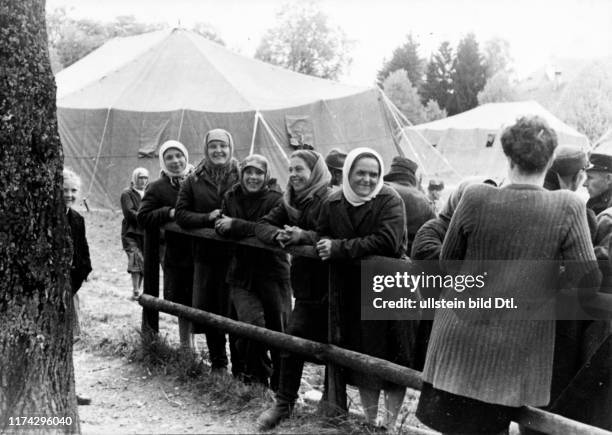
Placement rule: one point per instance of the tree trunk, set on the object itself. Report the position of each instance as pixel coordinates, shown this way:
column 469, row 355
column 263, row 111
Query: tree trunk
column 36, row 371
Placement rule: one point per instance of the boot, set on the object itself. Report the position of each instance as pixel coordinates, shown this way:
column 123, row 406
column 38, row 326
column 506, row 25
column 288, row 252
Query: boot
column 274, row 415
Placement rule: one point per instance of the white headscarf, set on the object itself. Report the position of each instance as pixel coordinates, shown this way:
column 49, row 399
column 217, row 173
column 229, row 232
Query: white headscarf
column 137, row 172
column 350, row 195
column 176, row 145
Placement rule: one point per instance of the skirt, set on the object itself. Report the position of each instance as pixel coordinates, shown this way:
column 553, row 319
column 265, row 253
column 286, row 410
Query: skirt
column 452, row 413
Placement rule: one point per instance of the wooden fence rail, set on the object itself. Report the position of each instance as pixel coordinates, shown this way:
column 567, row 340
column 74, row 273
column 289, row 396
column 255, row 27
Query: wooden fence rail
column 335, row 356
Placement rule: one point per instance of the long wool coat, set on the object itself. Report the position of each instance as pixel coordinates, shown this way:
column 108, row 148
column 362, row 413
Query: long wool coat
column 377, row 227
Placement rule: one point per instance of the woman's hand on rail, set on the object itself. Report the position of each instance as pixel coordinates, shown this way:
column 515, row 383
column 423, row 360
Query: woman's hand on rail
column 223, row 224
column 324, row 249
column 291, row 235
column 214, row 215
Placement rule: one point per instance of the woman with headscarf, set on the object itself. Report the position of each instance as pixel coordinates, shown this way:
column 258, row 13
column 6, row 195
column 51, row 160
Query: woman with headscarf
column 156, row 210
column 367, row 218
column 483, row 365
column 199, row 206
column 132, row 236
column 293, row 222
column 258, row 280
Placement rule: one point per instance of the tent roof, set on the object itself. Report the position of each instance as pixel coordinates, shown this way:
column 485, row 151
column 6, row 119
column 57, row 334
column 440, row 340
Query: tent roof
column 133, row 73
column 494, row 116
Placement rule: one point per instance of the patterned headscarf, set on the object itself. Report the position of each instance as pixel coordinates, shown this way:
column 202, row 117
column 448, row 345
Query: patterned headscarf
column 217, row 173
column 256, row 161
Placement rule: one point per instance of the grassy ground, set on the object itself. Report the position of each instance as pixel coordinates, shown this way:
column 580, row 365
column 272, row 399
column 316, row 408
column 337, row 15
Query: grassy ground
column 111, row 356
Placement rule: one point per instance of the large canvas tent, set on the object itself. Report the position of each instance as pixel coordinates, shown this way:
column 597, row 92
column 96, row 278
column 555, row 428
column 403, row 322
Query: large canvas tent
column 604, row 143
column 117, row 105
column 470, row 141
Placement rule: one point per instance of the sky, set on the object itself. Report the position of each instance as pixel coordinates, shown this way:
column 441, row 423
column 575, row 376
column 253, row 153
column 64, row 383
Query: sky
column 538, row 30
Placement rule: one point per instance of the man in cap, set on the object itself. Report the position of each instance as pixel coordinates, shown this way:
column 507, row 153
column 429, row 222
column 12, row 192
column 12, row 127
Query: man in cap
column 335, row 161
column 402, row 177
column 599, row 182
column 568, row 172
column 434, row 190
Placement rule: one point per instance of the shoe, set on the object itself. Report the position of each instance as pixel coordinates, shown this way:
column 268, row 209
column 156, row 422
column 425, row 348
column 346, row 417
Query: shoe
column 83, row 400
column 274, row 415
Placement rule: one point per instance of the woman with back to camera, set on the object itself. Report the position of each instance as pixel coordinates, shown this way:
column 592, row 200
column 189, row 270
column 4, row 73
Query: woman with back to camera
column 294, row 222
column 481, row 367
column 367, row 218
column 158, row 208
column 132, row 235
column 199, row 206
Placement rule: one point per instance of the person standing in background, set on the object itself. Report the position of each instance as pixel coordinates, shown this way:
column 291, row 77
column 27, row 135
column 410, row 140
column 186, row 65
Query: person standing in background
column 132, row 235
column 434, row 191
column 335, row 161
column 402, row 178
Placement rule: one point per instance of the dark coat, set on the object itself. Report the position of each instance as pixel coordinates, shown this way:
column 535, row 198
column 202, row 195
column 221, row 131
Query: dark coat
column 308, row 276
column 130, row 230
column 600, row 202
column 377, row 227
column 428, row 241
column 160, row 197
column 81, row 263
column 197, row 198
column 418, row 208
column 249, row 264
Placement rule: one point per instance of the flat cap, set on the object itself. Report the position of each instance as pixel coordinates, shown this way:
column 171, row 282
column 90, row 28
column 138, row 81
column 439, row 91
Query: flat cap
column 600, row 162
column 436, row 185
column 335, row 159
column 569, row 159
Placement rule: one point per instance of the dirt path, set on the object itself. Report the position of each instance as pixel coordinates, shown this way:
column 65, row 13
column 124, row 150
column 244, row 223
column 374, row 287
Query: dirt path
column 127, row 399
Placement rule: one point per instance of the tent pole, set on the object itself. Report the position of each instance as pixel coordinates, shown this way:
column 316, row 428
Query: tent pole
column 178, row 136
column 254, row 132
column 399, row 125
column 269, row 130
column 438, row 153
column 93, row 176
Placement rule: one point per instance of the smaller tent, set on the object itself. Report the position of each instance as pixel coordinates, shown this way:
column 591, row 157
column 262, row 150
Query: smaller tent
column 604, row 143
column 470, row 141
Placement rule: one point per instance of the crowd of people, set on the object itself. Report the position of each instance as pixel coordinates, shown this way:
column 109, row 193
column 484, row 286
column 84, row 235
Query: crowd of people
column 477, row 373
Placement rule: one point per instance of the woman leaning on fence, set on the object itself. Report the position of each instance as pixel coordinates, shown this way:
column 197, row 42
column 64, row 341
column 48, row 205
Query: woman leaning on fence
column 367, row 218
column 157, row 209
column 258, row 280
column 199, row 206
column 483, row 365
column 293, row 222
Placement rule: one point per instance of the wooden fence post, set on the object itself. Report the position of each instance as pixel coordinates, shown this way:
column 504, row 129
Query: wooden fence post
column 335, row 403
column 150, row 317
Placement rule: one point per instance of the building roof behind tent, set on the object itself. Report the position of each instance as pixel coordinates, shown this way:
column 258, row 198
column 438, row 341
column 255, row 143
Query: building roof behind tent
column 134, row 73
column 493, row 116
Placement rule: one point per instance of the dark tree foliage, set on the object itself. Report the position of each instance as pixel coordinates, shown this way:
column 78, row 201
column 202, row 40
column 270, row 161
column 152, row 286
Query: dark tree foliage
column 469, row 76
column 438, row 85
column 36, row 371
column 404, row 57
